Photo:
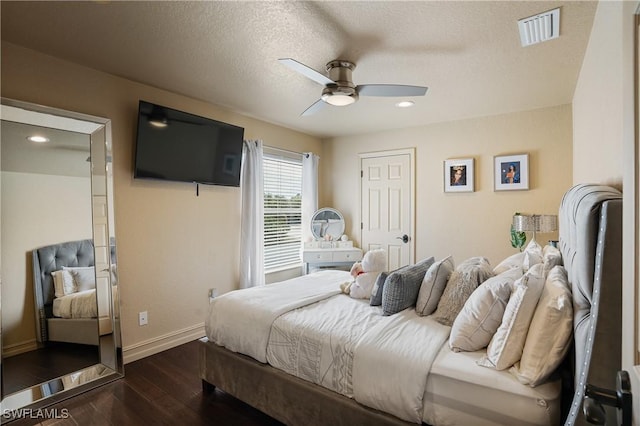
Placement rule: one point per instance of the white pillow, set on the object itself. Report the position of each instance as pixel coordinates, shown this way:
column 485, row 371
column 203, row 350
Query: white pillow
column 433, row 284
column 482, row 313
column 550, row 331
column 550, row 257
column 505, row 348
column 513, row 261
column 532, row 255
column 63, row 283
column 84, row 277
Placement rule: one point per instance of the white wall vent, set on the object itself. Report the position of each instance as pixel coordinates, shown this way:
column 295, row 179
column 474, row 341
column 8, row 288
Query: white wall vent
column 539, row 28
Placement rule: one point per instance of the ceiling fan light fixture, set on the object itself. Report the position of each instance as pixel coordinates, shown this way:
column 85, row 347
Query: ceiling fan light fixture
column 159, row 122
column 339, row 96
column 338, row 100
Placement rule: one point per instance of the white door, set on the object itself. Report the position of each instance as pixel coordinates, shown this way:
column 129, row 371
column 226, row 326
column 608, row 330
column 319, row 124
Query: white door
column 386, row 205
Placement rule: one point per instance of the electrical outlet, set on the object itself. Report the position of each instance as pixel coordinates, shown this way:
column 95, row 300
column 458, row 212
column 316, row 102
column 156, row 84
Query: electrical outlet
column 142, row 318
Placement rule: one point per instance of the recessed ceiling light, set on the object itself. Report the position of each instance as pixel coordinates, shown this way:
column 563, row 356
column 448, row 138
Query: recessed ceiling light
column 405, row 104
column 38, row 139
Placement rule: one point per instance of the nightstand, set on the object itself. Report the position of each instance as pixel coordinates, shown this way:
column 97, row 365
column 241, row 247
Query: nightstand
column 330, row 258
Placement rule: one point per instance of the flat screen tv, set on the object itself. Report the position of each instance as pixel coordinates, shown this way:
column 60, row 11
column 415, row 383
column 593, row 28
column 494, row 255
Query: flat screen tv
column 178, row 146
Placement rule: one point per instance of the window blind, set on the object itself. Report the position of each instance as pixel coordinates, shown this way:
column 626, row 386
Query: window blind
column 282, row 212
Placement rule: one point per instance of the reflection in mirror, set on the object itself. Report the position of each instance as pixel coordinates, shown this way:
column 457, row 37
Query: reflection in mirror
column 327, row 224
column 59, row 317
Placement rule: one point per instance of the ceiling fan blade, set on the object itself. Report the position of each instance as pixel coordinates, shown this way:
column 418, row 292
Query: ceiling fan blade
column 306, row 71
column 391, row 90
column 315, row 107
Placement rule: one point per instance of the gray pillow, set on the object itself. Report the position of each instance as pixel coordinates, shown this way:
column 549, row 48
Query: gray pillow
column 376, row 293
column 433, row 284
column 466, row 278
column 401, row 288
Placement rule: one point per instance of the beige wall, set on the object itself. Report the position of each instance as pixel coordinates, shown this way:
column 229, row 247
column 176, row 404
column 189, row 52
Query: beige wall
column 598, row 102
column 172, row 245
column 37, row 210
column 464, row 224
column 605, row 148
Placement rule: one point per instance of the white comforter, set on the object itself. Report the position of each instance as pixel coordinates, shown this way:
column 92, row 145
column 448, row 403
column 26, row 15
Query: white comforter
column 82, row 304
column 241, row 320
column 317, row 343
column 340, row 343
column 392, row 361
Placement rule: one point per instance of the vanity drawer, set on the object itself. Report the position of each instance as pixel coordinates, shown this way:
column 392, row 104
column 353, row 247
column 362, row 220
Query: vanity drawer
column 347, row 256
column 317, row 256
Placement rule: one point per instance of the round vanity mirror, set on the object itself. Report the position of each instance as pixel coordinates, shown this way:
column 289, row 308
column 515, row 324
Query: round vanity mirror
column 327, row 223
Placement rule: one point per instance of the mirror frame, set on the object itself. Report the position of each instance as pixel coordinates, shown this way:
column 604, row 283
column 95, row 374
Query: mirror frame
column 322, row 210
column 110, row 346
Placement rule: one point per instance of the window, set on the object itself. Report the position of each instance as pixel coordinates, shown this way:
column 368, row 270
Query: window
column 282, row 210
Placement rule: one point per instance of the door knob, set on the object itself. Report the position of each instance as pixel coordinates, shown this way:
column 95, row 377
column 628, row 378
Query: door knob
column 404, row 238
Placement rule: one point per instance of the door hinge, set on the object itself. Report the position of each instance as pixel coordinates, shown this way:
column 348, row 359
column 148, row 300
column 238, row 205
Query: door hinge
column 361, row 225
column 361, row 173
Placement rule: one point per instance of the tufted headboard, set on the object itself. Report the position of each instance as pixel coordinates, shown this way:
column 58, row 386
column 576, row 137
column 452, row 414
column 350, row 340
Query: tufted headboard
column 590, row 239
column 52, row 258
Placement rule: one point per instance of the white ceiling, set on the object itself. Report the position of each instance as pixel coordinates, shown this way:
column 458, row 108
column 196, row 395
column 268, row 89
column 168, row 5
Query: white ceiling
column 226, row 53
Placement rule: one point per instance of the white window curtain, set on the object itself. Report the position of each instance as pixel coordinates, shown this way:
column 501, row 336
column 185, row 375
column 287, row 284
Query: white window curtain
column 252, row 222
column 309, row 192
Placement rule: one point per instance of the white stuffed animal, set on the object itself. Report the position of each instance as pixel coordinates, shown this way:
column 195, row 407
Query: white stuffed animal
column 366, row 272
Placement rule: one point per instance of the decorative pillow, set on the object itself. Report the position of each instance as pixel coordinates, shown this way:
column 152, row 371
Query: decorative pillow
column 505, row 348
column 376, row 293
column 433, row 284
column 551, row 257
column 401, row 288
column 462, row 282
column 513, row 261
column 84, row 277
column 63, row 283
column 550, row 331
column 532, row 255
column 482, row 313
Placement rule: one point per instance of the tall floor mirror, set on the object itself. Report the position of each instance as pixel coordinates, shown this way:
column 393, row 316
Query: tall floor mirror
column 59, row 311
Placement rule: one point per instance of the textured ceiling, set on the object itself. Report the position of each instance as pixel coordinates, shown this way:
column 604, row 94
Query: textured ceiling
column 226, row 53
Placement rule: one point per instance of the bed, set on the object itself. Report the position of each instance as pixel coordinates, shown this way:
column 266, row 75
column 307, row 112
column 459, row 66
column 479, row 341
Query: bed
column 75, row 317
column 335, row 377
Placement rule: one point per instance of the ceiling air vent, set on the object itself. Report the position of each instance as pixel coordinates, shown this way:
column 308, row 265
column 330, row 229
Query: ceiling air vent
column 539, row 28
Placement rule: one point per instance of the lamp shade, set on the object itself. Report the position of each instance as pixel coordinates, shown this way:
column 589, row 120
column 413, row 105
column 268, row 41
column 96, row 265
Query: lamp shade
column 522, row 223
column 546, row 223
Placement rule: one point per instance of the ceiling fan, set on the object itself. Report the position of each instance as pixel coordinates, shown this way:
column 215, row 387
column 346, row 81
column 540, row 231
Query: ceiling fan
column 339, row 89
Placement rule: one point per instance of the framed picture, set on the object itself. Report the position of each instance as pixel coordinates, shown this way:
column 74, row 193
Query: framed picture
column 458, row 175
column 511, row 172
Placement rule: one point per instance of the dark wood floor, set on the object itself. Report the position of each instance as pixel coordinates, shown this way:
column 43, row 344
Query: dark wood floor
column 44, row 364
column 163, row 389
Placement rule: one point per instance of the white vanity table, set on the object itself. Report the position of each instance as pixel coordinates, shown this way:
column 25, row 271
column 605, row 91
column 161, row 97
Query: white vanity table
column 329, row 250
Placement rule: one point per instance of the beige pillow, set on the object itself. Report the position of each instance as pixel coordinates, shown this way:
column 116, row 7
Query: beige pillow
column 551, row 257
column 63, row 283
column 505, row 348
column 462, row 282
column 433, row 284
column 482, row 313
column 550, row 331
column 513, row 261
column 532, row 255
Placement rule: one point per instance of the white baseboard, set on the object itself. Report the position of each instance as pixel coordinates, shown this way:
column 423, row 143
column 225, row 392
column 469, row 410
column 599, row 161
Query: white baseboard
column 19, row 348
column 162, row 343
